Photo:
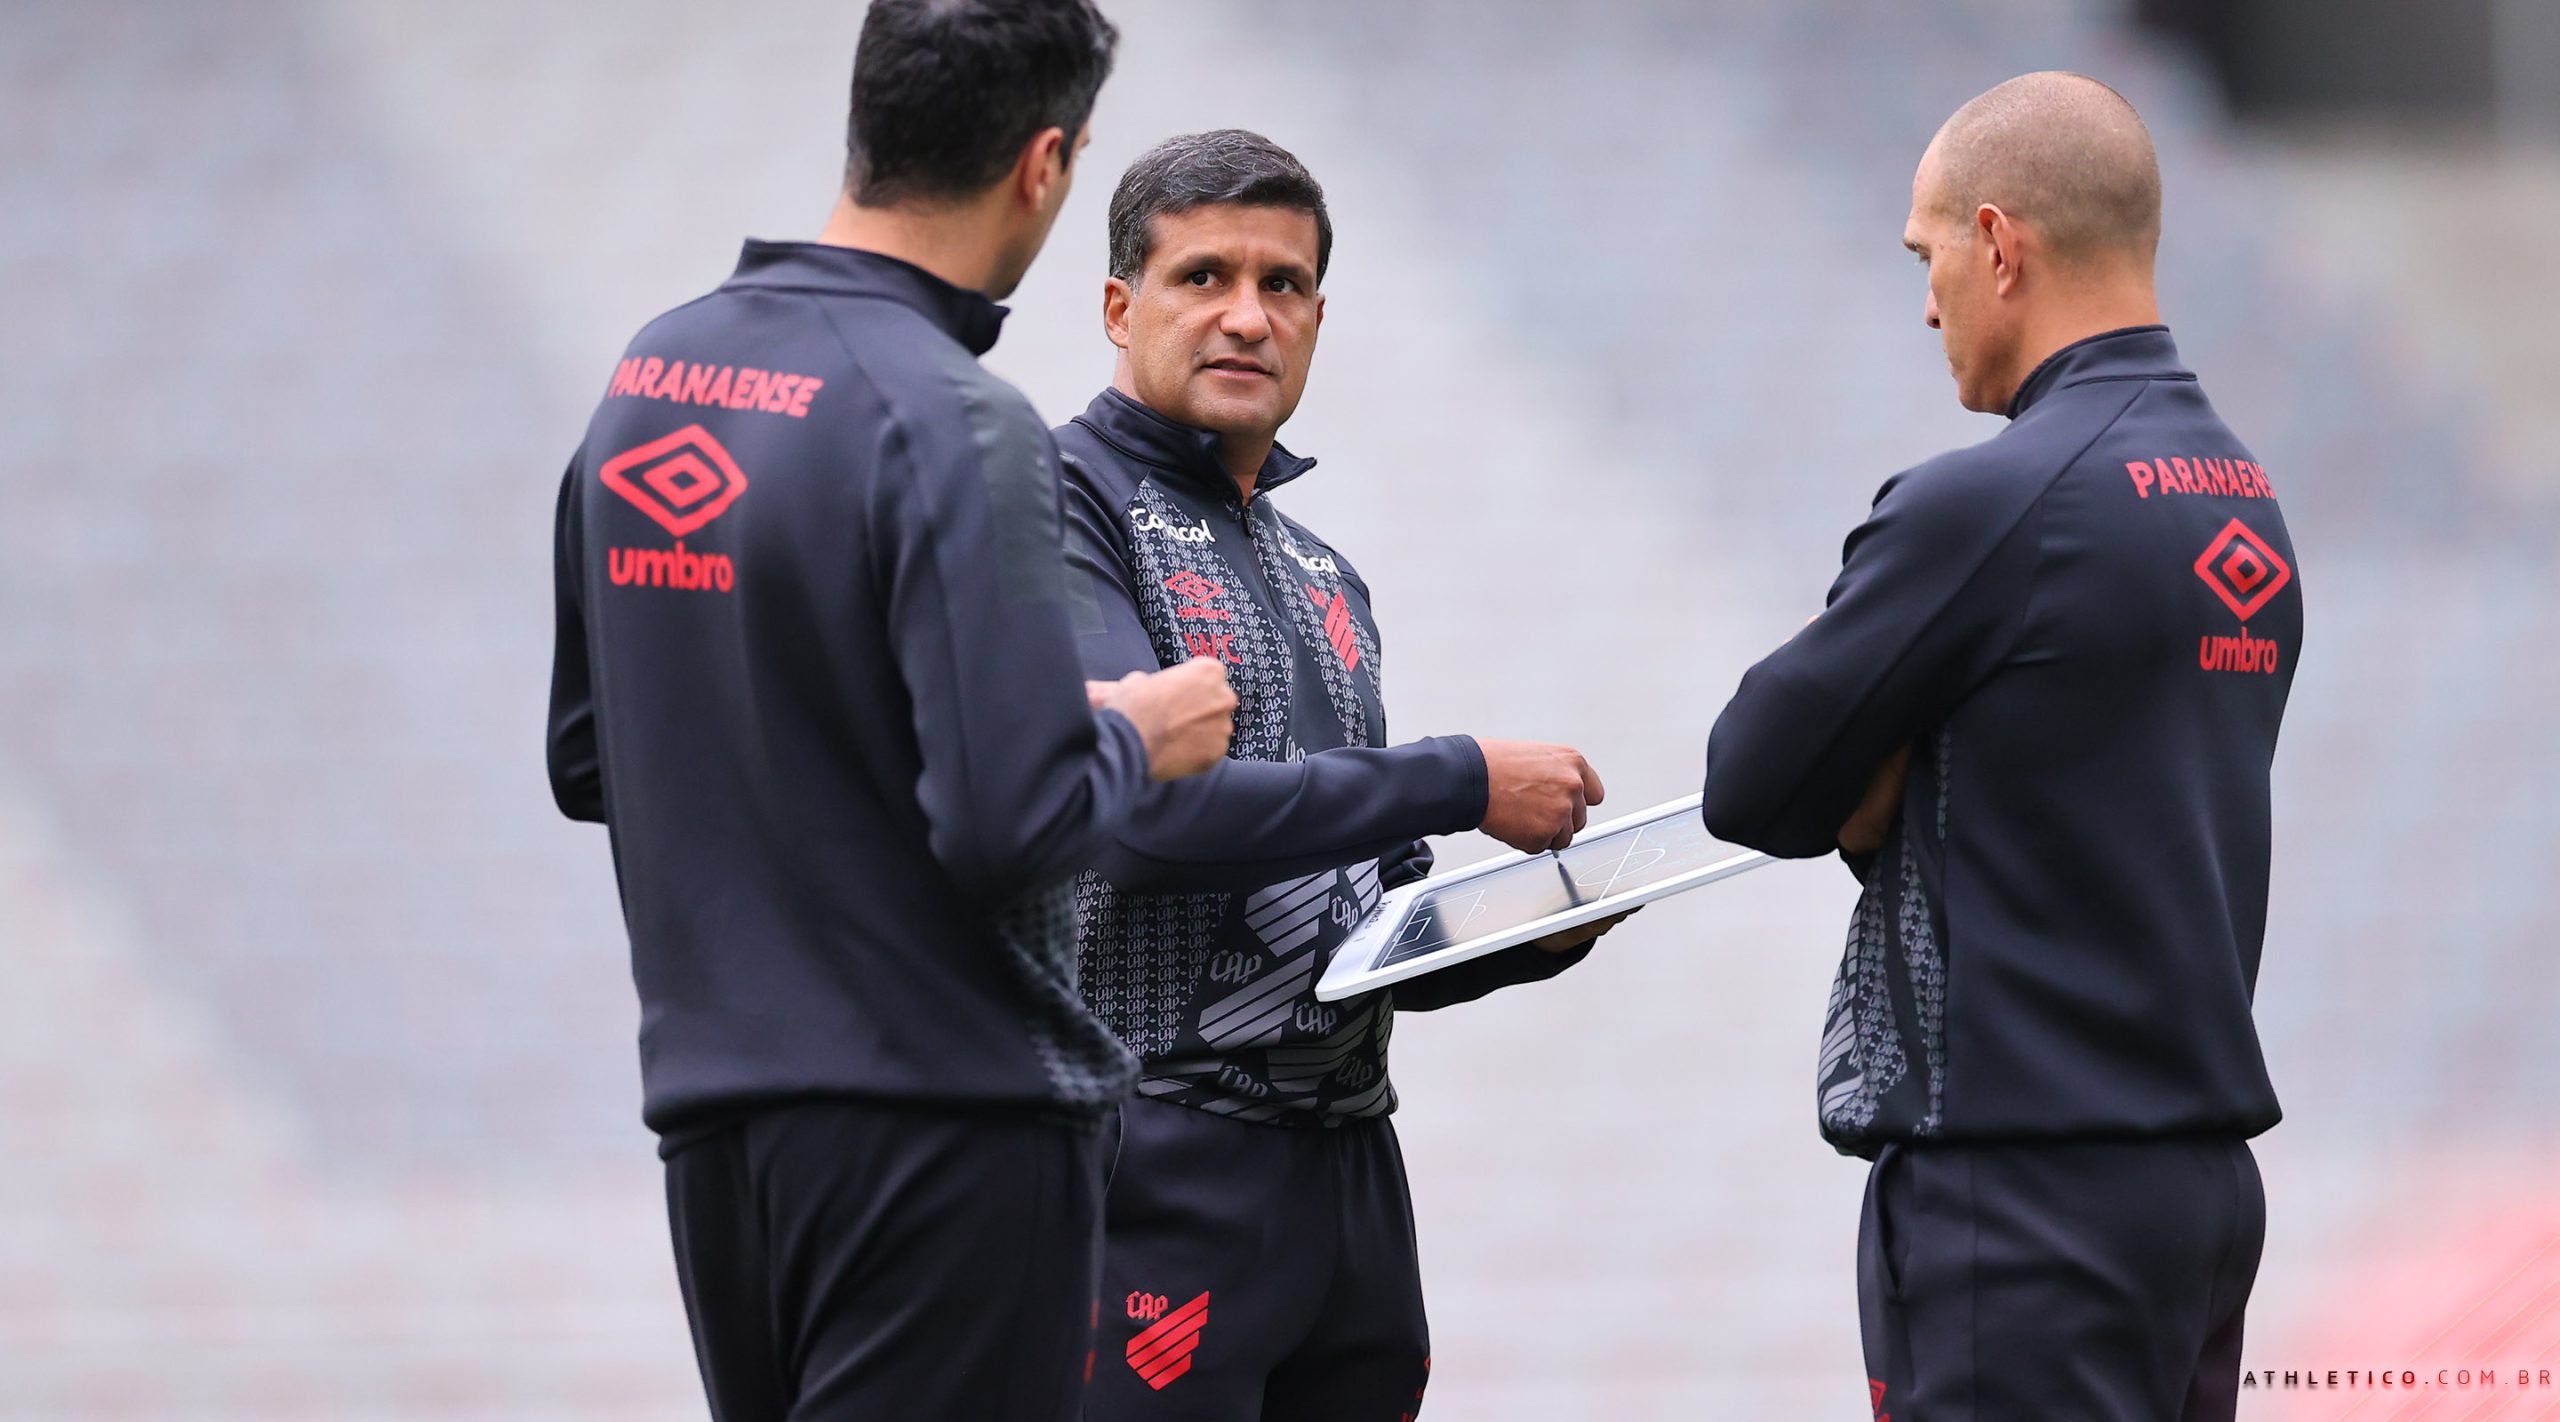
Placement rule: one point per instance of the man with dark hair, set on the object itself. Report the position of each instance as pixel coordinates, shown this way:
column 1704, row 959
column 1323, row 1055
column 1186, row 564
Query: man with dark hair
column 1259, row 1256
column 946, row 93
column 2037, row 715
column 815, row 672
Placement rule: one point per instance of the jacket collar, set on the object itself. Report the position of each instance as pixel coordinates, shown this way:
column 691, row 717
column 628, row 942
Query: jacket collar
column 966, row 316
column 2133, row 353
column 1177, row 448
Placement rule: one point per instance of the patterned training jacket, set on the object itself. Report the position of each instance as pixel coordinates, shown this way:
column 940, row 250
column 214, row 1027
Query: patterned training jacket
column 1212, row 914
column 812, row 670
column 2085, row 628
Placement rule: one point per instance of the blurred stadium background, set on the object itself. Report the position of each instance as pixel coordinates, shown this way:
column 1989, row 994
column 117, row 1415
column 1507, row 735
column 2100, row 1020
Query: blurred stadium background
column 317, row 1087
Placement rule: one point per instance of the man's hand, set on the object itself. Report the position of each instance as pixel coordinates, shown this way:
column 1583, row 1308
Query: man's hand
column 1536, row 795
column 1864, row 831
column 1572, row 938
column 1185, row 714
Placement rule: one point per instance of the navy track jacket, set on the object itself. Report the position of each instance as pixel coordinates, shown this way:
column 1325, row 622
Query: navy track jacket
column 2086, row 627
column 1221, row 898
column 815, row 670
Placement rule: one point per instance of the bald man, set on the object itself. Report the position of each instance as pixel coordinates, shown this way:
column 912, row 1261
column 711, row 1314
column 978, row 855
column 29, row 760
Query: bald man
column 2036, row 715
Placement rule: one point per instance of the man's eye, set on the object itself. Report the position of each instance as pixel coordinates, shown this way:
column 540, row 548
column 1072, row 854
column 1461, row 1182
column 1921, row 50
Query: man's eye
column 1199, row 278
column 1282, row 284
column 1921, row 257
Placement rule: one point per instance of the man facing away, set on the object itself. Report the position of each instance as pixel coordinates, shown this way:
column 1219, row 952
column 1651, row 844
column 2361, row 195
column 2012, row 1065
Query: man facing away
column 815, row 672
column 1259, row 1257
column 2038, row 713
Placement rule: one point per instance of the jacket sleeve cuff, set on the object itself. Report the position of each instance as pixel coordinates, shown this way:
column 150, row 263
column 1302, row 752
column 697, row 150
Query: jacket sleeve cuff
column 1527, row 963
column 1469, row 786
column 1124, row 749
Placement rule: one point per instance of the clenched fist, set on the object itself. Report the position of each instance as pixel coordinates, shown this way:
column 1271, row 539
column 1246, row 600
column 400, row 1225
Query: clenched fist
column 1536, row 796
column 1185, row 714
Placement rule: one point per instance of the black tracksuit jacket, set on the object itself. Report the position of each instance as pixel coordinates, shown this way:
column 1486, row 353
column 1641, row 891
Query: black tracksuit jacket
column 1218, row 901
column 815, row 671
column 2087, row 628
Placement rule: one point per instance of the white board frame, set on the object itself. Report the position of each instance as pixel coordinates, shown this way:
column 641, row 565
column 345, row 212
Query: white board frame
column 1354, row 967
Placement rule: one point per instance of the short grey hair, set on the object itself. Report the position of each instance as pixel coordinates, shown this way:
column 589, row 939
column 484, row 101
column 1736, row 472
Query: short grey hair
column 2061, row 152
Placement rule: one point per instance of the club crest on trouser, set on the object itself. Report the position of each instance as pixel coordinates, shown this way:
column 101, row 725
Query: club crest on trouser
column 1162, row 1351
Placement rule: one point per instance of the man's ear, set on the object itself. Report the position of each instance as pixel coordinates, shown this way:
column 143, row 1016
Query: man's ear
column 2004, row 246
column 1115, row 311
column 1040, row 165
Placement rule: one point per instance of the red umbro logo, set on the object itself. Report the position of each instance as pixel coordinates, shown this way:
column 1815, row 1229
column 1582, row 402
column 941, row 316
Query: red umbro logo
column 1163, row 1352
column 2242, row 569
column 683, row 481
column 1196, row 593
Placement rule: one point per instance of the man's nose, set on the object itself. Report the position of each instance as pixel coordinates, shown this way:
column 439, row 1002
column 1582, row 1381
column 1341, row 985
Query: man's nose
column 1929, row 309
column 1245, row 319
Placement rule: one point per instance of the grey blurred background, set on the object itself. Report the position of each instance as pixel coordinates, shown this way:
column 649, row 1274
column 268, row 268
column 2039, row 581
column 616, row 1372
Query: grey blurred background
column 318, row 1094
